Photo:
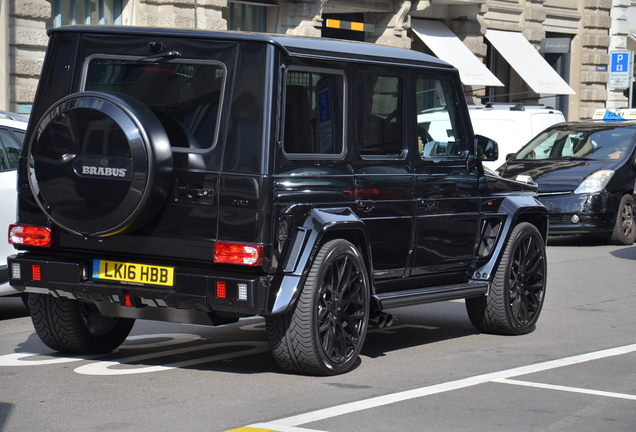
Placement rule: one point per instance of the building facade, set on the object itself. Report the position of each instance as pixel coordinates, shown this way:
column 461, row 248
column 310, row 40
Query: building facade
column 551, row 52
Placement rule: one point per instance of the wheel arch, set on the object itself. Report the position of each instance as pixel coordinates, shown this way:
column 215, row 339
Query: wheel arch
column 518, row 209
column 320, row 226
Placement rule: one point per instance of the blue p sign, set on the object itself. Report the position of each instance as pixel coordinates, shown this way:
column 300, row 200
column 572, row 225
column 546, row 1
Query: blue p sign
column 619, row 62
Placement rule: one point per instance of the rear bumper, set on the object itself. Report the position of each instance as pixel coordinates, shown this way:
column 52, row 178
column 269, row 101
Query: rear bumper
column 192, row 299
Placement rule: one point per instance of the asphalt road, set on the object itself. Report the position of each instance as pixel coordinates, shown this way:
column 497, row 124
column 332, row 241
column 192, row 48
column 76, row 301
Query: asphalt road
column 431, row 371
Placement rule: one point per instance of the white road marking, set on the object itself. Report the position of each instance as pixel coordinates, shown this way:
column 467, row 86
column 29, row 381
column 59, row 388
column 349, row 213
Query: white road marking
column 141, row 341
column 566, row 389
column 365, row 404
column 106, row 367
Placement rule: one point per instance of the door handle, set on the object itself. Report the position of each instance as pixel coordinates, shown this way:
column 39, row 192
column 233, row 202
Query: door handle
column 428, row 204
column 365, row 205
column 191, row 193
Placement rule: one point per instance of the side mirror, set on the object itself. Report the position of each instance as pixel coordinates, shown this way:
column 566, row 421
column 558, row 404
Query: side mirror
column 486, row 149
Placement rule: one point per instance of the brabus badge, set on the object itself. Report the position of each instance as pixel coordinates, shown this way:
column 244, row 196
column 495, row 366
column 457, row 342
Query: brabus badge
column 103, row 167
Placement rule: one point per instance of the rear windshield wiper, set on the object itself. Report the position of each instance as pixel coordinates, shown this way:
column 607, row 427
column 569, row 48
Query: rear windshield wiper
column 156, row 58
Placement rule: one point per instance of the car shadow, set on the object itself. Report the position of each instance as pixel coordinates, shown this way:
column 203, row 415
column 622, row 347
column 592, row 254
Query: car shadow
column 578, row 240
column 5, row 413
column 628, row 253
column 413, row 326
column 419, row 325
column 11, row 308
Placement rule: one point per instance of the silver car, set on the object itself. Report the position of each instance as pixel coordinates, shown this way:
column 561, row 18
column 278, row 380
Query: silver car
column 12, row 131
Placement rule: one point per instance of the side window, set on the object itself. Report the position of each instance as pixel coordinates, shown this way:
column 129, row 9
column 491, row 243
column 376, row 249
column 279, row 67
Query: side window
column 438, row 129
column 314, row 114
column 9, row 150
column 380, row 114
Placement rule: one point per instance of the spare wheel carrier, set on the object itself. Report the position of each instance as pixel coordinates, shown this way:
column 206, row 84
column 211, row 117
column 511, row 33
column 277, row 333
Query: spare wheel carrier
column 99, row 163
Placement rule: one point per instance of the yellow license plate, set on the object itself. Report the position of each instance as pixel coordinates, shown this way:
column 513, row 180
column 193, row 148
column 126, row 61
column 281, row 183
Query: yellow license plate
column 133, row 273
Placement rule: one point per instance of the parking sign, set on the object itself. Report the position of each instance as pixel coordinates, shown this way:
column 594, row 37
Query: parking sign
column 620, row 73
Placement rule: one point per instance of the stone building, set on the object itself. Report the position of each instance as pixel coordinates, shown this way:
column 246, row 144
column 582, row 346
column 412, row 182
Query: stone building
column 552, row 52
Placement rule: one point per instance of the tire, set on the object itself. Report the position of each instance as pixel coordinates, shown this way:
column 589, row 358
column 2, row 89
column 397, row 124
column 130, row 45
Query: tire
column 325, row 331
column 71, row 326
column 516, row 295
column 624, row 230
column 99, row 163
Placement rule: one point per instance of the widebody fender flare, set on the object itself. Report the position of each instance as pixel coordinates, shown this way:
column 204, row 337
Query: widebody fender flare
column 517, row 208
column 320, row 223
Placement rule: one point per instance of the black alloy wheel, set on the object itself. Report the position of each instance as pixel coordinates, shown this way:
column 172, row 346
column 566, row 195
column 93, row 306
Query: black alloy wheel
column 325, row 332
column 76, row 327
column 516, row 296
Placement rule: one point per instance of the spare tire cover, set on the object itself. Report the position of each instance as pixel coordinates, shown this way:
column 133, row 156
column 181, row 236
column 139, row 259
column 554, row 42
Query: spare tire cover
column 99, row 163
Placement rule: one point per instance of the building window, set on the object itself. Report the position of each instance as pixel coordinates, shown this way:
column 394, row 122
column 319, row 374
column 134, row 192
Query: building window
column 69, row 12
column 245, row 17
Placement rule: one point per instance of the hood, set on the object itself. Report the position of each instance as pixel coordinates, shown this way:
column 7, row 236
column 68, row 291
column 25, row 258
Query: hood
column 555, row 175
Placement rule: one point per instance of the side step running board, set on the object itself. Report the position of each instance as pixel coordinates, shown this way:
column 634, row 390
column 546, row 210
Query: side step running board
column 429, row 295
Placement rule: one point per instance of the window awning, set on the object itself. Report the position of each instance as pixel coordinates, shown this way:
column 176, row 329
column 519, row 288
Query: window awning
column 447, row 46
column 528, row 63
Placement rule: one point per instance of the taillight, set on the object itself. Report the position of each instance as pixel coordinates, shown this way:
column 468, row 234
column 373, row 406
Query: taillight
column 30, row 235
column 238, row 253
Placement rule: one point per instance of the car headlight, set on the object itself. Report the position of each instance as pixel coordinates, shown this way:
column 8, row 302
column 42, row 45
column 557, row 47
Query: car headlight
column 595, row 182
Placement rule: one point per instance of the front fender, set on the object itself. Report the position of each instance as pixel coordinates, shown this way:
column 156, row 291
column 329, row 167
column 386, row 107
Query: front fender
column 304, row 245
column 517, row 209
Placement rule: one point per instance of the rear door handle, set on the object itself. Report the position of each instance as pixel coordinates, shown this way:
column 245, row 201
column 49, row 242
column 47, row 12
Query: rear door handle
column 191, row 193
column 428, row 204
column 366, row 205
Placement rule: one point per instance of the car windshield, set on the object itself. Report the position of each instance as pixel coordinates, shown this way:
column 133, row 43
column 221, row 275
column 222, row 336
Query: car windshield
column 604, row 143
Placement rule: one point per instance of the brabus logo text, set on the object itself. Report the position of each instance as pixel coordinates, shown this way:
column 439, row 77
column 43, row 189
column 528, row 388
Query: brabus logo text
column 104, row 171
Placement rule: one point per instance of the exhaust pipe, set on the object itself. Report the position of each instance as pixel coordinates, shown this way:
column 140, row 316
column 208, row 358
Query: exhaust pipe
column 381, row 319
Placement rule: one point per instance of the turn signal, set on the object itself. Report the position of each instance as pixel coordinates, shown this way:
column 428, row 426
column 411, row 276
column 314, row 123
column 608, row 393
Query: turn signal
column 30, row 235
column 238, row 253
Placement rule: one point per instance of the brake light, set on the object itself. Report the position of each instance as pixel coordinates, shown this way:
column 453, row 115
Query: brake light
column 221, row 289
column 238, row 253
column 36, row 272
column 30, row 235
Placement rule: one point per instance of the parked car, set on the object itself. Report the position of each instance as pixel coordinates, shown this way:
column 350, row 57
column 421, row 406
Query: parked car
column 12, row 131
column 586, row 174
column 201, row 177
column 511, row 125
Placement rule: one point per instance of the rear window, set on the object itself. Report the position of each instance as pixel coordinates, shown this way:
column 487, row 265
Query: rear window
column 185, row 95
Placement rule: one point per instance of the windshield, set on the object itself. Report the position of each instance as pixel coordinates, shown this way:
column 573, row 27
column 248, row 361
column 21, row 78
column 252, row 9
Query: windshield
column 603, row 144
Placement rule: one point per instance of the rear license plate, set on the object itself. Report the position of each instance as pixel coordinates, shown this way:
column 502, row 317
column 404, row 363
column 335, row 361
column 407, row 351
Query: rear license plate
column 133, row 273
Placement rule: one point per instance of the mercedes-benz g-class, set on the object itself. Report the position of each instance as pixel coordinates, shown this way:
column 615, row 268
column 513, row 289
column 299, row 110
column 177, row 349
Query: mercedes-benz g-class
column 201, row 177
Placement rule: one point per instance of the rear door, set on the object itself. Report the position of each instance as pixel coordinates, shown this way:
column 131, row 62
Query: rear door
column 187, row 86
column 446, row 192
column 383, row 177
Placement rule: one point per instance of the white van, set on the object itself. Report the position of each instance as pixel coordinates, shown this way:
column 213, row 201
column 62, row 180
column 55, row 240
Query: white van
column 511, row 125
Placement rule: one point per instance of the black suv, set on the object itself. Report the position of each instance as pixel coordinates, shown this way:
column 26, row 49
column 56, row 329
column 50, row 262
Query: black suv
column 201, row 177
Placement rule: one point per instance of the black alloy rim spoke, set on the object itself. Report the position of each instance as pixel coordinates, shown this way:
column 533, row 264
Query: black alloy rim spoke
column 341, row 309
column 526, row 281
